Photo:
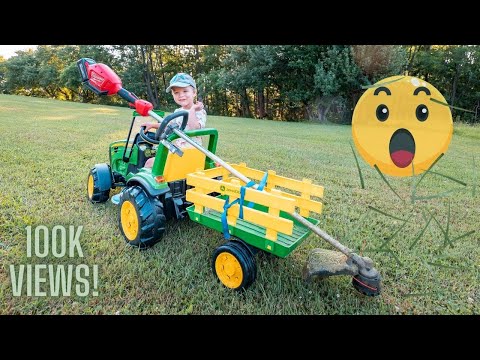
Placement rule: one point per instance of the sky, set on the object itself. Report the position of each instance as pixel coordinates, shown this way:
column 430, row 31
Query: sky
column 9, row 50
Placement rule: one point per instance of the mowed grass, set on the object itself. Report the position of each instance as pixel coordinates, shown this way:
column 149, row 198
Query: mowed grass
column 47, row 148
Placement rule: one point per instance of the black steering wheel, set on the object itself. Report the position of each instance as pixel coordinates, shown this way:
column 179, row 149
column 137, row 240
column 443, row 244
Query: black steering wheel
column 162, row 131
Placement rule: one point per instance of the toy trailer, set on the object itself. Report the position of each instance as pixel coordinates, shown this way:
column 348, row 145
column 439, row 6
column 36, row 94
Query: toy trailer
column 260, row 220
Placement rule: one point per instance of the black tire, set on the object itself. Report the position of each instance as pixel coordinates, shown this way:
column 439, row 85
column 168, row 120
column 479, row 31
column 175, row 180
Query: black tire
column 141, row 218
column 234, row 265
column 95, row 181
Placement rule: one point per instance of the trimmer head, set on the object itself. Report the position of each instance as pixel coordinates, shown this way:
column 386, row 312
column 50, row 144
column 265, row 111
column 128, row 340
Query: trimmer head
column 367, row 286
column 323, row 263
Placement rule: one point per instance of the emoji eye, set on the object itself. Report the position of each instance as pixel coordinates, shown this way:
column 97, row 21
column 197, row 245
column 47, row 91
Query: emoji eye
column 382, row 112
column 422, row 112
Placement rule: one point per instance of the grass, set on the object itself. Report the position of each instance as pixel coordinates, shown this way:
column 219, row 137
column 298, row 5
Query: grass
column 47, row 148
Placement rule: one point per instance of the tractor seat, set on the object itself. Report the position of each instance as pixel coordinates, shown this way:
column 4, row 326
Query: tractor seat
column 177, row 167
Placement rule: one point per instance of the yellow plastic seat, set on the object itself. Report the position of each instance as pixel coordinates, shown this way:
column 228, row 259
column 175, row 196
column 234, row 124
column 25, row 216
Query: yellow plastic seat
column 177, row 167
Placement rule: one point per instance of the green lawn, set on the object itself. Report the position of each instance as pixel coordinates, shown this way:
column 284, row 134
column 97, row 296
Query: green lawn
column 47, row 148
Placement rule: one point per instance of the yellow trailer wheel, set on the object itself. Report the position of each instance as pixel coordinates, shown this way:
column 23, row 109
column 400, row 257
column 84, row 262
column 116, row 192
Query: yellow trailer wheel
column 234, row 265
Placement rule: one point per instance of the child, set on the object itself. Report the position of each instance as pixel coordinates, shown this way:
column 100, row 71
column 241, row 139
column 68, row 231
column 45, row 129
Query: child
column 184, row 90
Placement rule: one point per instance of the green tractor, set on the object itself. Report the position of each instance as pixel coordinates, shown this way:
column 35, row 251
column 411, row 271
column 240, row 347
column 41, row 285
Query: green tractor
column 150, row 196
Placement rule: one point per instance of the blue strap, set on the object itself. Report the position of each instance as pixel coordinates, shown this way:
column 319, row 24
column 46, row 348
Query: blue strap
column 260, row 187
column 227, row 206
column 242, row 196
column 263, row 182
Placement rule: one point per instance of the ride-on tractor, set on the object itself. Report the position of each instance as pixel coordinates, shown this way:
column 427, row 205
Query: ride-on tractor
column 252, row 216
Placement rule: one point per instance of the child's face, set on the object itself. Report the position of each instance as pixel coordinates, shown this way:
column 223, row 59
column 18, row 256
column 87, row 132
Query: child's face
column 184, row 96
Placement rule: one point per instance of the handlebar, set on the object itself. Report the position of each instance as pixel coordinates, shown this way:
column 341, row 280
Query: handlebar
column 163, row 131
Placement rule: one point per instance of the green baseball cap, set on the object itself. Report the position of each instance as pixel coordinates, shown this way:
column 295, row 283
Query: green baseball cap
column 181, row 80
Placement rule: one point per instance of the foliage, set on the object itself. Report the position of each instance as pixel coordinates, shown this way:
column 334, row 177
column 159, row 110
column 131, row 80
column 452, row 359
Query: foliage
column 3, row 69
column 380, row 61
column 283, row 82
column 336, row 76
column 454, row 70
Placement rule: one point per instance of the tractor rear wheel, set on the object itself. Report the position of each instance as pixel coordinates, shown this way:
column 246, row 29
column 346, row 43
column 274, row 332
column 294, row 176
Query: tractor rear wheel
column 99, row 181
column 234, row 265
column 141, row 219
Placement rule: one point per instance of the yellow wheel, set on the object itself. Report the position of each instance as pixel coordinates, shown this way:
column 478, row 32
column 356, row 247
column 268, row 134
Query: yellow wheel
column 229, row 270
column 141, row 218
column 99, row 183
column 234, row 265
column 90, row 186
column 129, row 220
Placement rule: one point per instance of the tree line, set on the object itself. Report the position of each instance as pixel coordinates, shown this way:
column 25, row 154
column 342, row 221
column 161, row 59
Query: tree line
column 281, row 82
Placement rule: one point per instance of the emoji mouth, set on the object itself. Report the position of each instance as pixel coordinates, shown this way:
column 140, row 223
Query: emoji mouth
column 402, row 148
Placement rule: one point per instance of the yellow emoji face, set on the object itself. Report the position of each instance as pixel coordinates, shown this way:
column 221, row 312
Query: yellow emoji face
column 396, row 125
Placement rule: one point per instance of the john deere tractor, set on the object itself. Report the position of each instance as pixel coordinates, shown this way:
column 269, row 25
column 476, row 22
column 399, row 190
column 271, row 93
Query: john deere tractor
column 150, row 196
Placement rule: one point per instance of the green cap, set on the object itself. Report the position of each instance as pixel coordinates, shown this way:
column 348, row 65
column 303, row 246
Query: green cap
column 181, row 80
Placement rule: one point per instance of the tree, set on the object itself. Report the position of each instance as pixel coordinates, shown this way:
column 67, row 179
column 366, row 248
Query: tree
column 236, row 78
column 338, row 81
column 21, row 75
column 285, row 82
column 3, row 70
column 210, row 79
column 454, row 70
column 380, row 61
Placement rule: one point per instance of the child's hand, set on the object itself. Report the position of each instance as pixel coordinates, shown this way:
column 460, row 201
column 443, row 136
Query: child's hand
column 198, row 106
column 150, row 125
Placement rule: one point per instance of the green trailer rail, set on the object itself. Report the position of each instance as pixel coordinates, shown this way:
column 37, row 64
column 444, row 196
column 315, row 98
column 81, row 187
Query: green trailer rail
column 254, row 234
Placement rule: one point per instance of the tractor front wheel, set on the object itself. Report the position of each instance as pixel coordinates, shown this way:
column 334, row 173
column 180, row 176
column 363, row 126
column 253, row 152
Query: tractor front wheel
column 142, row 221
column 234, row 265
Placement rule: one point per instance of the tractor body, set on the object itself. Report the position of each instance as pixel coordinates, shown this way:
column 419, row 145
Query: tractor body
column 149, row 195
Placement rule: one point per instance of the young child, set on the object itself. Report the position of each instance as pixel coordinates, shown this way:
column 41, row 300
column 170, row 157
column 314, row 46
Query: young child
column 184, row 90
